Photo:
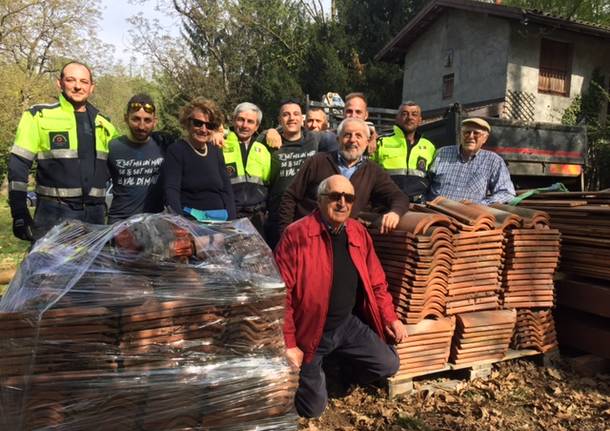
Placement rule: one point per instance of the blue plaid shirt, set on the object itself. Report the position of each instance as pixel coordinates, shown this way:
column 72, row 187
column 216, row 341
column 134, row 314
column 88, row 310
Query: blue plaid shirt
column 483, row 179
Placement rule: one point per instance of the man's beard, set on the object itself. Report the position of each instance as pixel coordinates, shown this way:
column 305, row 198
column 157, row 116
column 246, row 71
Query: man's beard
column 349, row 156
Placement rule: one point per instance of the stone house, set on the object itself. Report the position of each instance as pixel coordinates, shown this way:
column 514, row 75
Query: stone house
column 498, row 61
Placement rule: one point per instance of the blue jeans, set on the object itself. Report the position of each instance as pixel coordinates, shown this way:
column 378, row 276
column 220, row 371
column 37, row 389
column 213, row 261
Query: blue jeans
column 51, row 212
column 355, row 341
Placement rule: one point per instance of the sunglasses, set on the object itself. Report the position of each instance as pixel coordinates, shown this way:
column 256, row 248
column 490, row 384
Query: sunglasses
column 136, row 106
column 336, row 197
column 200, row 123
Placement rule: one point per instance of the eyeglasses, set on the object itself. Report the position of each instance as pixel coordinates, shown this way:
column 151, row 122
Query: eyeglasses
column 475, row 133
column 200, row 123
column 136, row 106
column 336, row 197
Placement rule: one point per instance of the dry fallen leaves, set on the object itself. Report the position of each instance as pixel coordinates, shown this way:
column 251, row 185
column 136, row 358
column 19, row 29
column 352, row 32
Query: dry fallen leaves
column 518, row 396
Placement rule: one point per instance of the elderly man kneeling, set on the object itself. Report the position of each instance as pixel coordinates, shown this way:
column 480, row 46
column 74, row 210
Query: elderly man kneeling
column 336, row 297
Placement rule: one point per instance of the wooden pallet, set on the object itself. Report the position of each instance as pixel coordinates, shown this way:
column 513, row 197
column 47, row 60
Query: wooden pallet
column 403, row 383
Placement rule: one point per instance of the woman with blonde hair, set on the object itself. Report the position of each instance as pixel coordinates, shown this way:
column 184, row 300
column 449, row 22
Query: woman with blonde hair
column 196, row 180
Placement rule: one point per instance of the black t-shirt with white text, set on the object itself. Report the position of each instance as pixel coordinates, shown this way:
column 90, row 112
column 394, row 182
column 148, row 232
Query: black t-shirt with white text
column 135, row 169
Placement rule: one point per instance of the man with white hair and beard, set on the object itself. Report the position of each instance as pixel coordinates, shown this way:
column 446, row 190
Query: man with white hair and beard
column 372, row 184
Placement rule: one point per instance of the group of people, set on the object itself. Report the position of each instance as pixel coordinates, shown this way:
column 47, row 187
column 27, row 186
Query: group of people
column 301, row 184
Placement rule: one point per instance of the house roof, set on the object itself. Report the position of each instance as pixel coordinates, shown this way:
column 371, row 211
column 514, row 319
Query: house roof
column 394, row 50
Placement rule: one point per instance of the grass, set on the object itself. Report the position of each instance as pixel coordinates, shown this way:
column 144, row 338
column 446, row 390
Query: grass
column 12, row 250
column 412, row 424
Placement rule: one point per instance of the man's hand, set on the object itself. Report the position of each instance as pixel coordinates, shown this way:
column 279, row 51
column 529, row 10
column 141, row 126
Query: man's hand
column 22, row 227
column 295, row 357
column 218, row 139
column 397, row 330
column 389, row 221
column 273, row 139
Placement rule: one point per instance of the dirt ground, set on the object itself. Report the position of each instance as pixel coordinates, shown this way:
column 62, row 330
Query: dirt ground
column 518, row 396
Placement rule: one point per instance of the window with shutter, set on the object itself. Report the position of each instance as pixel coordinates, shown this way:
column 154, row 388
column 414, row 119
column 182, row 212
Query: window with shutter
column 448, row 86
column 555, row 67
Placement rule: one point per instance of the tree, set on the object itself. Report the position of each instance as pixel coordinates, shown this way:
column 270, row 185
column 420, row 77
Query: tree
column 246, row 48
column 594, row 11
column 370, row 25
column 39, row 35
column 266, row 50
column 115, row 88
column 36, row 38
column 591, row 108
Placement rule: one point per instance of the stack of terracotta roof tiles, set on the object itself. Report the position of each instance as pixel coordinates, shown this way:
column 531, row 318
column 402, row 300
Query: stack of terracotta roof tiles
column 482, row 335
column 583, row 218
column 531, row 257
column 473, row 284
column 535, row 330
column 417, row 261
column 427, row 346
column 116, row 328
column 451, row 258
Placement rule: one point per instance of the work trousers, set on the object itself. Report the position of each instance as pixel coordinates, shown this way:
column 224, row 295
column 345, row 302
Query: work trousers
column 51, row 212
column 256, row 217
column 354, row 341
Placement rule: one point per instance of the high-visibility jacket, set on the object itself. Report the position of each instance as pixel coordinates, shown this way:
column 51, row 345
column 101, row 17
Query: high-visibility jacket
column 407, row 165
column 48, row 134
column 249, row 171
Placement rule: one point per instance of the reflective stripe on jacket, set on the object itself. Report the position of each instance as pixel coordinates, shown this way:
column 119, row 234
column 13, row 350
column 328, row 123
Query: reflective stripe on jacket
column 258, row 163
column 396, row 158
column 249, row 182
column 48, row 134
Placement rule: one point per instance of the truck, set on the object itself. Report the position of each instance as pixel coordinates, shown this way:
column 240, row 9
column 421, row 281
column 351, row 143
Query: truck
column 537, row 154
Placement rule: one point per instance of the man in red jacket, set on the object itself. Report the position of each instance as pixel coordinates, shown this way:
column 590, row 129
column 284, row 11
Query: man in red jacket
column 336, row 297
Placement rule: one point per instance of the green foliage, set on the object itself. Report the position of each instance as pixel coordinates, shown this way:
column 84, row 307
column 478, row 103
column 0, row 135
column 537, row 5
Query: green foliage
column 112, row 91
column 571, row 116
column 594, row 11
column 592, row 109
column 14, row 83
column 240, row 45
column 412, row 424
column 266, row 50
column 36, row 38
column 12, row 250
column 370, row 26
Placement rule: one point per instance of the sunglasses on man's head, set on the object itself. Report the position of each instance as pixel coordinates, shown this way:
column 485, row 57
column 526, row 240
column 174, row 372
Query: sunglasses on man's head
column 336, row 197
column 136, row 106
column 200, row 123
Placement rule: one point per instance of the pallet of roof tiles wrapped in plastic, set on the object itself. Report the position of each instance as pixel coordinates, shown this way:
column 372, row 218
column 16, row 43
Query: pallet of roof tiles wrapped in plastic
column 155, row 323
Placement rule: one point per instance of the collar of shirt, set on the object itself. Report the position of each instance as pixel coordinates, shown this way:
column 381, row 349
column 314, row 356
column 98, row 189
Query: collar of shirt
column 334, row 231
column 461, row 155
column 331, row 230
column 348, row 171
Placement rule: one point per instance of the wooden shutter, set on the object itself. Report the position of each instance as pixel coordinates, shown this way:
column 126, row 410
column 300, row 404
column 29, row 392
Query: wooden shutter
column 555, row 67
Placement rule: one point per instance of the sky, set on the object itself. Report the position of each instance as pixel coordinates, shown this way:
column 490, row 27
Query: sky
column 115, row 28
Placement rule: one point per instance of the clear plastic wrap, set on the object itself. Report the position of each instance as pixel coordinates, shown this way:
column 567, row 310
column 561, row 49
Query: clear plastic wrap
column 152, row 323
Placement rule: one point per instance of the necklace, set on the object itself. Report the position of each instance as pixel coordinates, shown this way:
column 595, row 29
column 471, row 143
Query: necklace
column 201, row 153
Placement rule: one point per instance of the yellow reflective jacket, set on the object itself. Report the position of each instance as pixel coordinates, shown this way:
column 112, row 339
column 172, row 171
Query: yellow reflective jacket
column 48, row 134
column 249, row 179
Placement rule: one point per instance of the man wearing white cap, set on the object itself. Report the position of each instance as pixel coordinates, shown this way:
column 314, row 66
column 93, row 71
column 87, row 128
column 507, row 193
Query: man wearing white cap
column 466, row 172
